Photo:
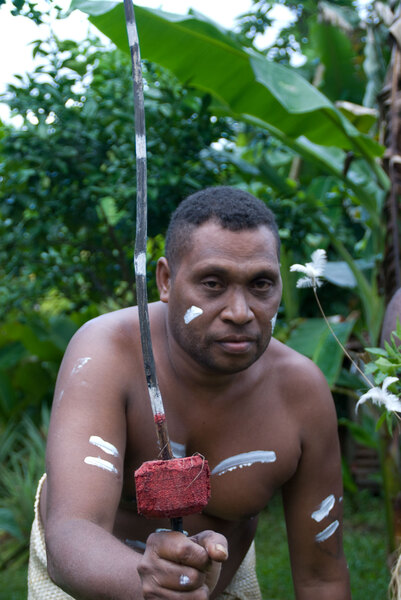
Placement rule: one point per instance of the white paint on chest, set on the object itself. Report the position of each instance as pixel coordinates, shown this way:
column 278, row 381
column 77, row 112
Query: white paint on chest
column 192, row 313
column 103, row 445
column 324, row 509
column 81, row 362
column 246, row 459
column 328, row 532
column 96, row 461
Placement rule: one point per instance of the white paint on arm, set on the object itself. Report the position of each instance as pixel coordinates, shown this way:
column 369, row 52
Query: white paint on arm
column 80, row 363
column 192, row 313
column 328, row 532
column 246, row 459
column 103, row 445
column 324, row 509
column 101, row 463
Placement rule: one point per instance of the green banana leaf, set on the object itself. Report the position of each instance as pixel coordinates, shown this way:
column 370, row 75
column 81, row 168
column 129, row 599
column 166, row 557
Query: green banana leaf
column 313, row 339
column 249, row 86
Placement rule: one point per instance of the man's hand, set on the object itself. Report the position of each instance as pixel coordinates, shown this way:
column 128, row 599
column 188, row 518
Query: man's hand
column 175, row 564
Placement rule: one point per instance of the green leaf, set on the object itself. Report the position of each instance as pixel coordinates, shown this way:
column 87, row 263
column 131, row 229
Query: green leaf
column 250, row 86
column 360, row 434
column 313, row 339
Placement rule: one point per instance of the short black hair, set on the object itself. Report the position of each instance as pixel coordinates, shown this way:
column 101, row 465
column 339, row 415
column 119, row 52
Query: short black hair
column 230, row 207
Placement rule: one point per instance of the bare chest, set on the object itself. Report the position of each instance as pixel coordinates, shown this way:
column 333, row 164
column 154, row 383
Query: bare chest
column 250, row 453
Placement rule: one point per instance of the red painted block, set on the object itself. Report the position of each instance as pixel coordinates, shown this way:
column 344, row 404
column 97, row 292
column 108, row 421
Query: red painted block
column 172, row 488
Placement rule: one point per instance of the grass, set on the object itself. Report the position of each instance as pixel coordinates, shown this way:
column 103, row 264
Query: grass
column 364, row 542
column 364, row 545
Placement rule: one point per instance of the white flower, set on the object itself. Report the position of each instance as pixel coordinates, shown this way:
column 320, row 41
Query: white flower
column 380, row 396
column 313, row 270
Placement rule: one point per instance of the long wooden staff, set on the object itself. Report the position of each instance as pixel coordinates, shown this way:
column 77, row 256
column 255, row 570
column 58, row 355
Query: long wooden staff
column 141, row 237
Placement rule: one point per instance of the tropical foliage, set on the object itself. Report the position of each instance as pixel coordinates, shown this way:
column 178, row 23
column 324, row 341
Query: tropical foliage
column 305, row 124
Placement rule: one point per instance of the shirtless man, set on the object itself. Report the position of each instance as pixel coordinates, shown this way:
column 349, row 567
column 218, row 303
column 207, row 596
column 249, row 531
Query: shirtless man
column 228, row 388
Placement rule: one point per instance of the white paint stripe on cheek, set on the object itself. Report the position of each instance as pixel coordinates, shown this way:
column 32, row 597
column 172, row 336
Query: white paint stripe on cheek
column 273, row 322
column 81, row 362
column 103, row 445
column 192, row 313
column 324, row 509
column 102, row 464
column 328, row 532
column 246, row 459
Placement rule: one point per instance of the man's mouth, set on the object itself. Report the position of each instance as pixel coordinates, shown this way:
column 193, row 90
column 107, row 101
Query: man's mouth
column 236, row 344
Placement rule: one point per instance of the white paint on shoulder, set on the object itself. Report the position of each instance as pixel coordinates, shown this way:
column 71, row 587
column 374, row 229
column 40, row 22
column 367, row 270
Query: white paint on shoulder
column 246, row 459
column 328, row 532
column 103, row 445
column 81, row 362
column 140, row 264
column 192, row 313
column 324, row 509
column 101, row 463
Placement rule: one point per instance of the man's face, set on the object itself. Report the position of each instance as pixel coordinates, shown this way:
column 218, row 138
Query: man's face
column 223, row 296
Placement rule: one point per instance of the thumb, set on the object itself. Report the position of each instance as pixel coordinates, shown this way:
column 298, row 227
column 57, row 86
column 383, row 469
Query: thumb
column 214, row 543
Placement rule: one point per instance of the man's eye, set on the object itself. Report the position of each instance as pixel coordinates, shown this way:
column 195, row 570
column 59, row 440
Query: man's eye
column 262, row 285
column 212, row 284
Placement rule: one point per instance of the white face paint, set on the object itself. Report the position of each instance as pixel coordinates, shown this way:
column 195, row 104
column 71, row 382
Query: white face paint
column 102, row 464
column 273, row 322
column 247, row 459
column 324, row 509
column 328, row 532
column 81, row 362
column 192, row 313
column 105, row 446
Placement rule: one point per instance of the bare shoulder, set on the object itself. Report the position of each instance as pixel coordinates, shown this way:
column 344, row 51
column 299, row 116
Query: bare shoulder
column 302, row 384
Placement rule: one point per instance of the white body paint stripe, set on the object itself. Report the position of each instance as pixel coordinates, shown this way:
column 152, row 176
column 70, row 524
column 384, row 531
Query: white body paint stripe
column 247, row 459
column 140, row 264
column 273, row 322
column 102, row 464
column 324, row 509
column 328, row 532
column 81, row 362
column 105, row 446
column 192, row 313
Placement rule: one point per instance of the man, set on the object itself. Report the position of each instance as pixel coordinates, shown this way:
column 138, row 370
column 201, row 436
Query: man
column 259, row 412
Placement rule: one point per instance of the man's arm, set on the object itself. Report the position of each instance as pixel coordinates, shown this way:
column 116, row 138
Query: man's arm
column 313, row 498
column 85, row 458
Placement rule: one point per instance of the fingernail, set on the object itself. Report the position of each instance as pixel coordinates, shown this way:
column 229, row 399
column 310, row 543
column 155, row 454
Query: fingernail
column 221, row 549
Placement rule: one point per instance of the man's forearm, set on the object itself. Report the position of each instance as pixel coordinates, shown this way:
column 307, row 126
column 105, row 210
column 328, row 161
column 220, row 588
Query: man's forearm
column 89, row 563
column 333, row 590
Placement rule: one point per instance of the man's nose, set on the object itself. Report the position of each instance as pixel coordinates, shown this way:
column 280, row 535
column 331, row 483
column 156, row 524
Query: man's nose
column 237, row 309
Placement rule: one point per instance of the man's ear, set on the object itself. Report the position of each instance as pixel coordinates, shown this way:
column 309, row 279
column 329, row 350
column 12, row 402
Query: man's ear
column 163, row 278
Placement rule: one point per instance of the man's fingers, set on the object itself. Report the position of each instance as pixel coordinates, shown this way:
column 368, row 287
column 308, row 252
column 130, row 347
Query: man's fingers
column 178, row 548
column 214, row 543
